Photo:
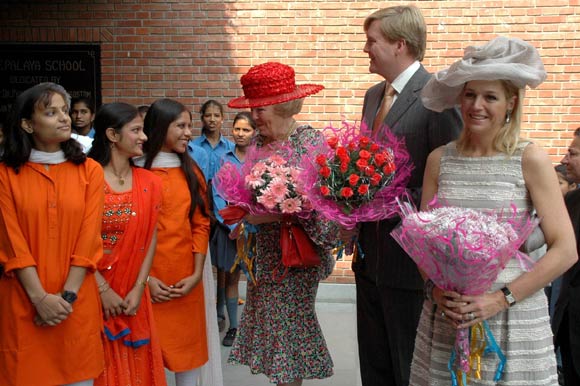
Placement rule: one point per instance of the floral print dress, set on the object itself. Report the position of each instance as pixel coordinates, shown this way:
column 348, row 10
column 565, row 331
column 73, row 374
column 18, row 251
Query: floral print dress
column 279, row 334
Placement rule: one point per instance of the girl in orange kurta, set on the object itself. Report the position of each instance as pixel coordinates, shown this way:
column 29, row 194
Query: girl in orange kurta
column 132, row 201
column 182, row 240
column 51, row 200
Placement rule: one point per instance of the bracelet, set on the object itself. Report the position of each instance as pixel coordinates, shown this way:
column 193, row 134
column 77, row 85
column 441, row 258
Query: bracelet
column 104, row 283
column 428, row 289
column 142, row 282
column 104, row 288
column 41, row 300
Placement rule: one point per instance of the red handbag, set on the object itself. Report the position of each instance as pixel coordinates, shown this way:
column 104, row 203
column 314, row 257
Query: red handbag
column 298, row 251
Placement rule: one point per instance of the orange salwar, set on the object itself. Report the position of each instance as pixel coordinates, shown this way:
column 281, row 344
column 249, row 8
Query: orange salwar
column 50, row 219
column 132, row 350
column 180, row 322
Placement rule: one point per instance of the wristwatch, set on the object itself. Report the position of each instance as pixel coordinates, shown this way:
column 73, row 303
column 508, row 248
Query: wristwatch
column 509, row 297
column 69, row 296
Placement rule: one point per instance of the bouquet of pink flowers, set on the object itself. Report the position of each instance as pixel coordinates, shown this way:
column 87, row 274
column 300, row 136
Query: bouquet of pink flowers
column 464, row 250
column 351, row 178
column 274, row 186
column 265, row 184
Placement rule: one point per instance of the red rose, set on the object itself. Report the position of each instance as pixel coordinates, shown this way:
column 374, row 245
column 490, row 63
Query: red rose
column 321, row 159
column 364, row 141
column 343, row 167
column 389, row 168
column 375, row 147
column 364, row 154
column 363, row 189
column 362, row 163
column 380, row 159
column 370, row 170
column 346, row 192
column 375, row 179
column 341, row 152
column 353, row 179
column 324, row 171
column 351, row 146
column 324, row 190
column 332, row 142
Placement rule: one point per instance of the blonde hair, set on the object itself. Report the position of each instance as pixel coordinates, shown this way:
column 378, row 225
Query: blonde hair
column 508, row 137
column 289, row 109
column 402, row 23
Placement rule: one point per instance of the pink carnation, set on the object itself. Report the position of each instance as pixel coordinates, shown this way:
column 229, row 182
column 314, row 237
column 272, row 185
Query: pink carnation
column 254, row 181
column 295, row 174
column 268, row 199
column 279, row 172
column 278, row 160
column 278, row 188
column 291, row 205
column 258, row 169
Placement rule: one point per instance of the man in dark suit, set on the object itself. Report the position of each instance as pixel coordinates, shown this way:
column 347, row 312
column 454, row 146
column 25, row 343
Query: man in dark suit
column 389, row 287
column 566, row 321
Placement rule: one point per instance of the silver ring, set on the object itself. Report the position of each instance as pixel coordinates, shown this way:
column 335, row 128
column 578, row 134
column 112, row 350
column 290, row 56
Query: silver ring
column 471, row 315
column 443, row 314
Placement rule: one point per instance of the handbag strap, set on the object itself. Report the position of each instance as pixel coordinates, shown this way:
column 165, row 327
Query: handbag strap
column 275, row 272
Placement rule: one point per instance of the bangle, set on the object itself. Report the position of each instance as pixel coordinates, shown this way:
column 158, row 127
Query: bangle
column 103, row 284
column 142, row 282
column 428, row 289
column 41, row 300
column 104, row 288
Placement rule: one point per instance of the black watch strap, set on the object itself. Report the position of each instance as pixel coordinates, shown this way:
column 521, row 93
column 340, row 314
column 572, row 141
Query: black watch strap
column 69, row 296
column 509, row 297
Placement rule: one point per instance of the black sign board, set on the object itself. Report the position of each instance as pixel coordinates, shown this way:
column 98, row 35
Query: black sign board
column 76, row 67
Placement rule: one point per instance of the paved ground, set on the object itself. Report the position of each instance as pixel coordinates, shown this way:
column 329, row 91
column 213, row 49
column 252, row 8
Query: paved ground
column 336, row 312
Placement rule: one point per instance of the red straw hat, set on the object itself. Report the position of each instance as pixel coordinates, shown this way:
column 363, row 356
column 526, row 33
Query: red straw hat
column 269, row 84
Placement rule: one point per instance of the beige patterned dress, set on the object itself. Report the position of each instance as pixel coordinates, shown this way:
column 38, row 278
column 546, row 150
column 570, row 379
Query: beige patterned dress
column 523, row 331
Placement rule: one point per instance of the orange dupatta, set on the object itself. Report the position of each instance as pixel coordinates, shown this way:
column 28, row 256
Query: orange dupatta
column 121, row 267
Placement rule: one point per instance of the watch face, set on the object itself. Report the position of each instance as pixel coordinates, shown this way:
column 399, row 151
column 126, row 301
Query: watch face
column 509, row 297
column 69, row 296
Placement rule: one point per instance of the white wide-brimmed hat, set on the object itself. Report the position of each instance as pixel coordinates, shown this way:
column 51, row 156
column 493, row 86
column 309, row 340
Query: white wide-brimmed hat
column 502, row 58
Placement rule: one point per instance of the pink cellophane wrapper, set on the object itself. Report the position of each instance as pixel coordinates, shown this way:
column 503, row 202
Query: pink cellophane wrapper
column 232, row 183
column 380, row 206
column 463, row 250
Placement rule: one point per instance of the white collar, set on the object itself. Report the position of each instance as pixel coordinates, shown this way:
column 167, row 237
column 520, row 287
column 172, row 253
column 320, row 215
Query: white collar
column 161, row 160
column 401, row 81
column 42, row 157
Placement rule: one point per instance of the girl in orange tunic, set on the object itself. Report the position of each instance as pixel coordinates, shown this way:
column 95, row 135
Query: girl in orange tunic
column 132, row 200
column 51, row 200
column 182, row 240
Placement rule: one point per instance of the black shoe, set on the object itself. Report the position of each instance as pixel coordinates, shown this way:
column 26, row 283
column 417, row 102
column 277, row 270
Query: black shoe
column 230, row 337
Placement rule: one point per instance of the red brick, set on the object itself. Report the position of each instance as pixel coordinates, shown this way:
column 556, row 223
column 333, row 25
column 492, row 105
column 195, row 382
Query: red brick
column 195, row 50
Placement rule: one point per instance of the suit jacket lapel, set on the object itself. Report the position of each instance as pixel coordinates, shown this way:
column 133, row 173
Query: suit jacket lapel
column 409, row 96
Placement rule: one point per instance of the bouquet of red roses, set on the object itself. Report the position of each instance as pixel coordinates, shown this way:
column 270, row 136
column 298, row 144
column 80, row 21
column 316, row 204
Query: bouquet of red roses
column 354, row 173
column 351, row 178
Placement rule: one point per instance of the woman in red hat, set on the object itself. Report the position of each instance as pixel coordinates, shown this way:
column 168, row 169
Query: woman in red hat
column 279, row 334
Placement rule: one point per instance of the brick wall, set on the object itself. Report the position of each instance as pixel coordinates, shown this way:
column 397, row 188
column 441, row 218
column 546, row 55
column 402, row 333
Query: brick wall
column 195, row 50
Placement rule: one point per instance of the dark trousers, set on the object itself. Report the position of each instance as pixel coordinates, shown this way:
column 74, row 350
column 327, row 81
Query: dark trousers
column 387, row 320
column 571, row 374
